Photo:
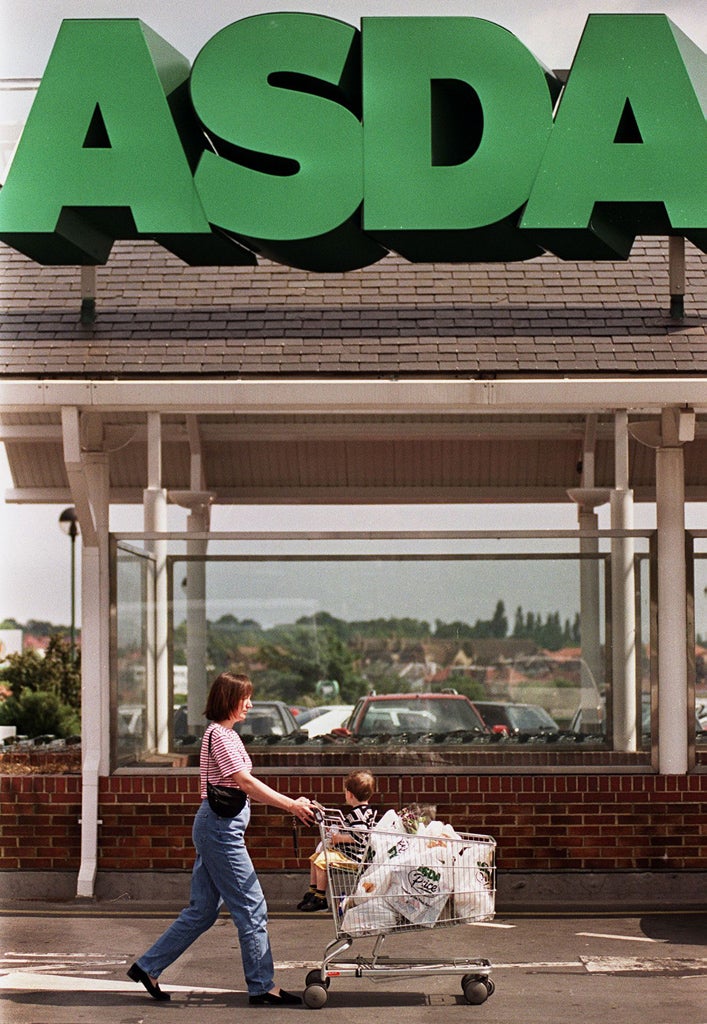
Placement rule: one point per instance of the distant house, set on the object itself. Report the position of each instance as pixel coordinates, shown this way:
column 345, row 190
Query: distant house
column 35, row 643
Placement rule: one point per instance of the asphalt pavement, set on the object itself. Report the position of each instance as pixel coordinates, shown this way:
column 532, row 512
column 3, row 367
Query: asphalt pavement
column 65, row 964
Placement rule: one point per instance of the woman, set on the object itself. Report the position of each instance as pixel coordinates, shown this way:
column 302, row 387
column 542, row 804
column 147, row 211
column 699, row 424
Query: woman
column 223, row 871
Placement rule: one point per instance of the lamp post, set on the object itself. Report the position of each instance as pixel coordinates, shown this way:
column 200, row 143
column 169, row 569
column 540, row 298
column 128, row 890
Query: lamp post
column 69, row 524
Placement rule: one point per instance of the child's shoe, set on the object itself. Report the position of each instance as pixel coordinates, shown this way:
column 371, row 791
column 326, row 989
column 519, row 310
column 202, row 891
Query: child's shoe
column 306, row 899
column 315, row 903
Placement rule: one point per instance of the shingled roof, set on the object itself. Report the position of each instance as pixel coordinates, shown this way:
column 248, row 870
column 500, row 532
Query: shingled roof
column 157, row 317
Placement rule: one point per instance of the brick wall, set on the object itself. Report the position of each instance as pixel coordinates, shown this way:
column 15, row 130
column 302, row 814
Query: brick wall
column 39, row 822
column 541, row 822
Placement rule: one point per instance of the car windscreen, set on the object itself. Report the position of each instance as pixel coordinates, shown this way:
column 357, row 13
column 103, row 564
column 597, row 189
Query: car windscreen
column 418, row 716
column 529, row 719
column 262, row 721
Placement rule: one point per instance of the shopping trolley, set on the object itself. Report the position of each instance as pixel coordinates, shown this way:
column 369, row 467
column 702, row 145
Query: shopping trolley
column 404, row 882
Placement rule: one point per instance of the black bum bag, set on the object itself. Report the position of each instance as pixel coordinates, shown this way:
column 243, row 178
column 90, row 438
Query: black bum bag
column 225, row 801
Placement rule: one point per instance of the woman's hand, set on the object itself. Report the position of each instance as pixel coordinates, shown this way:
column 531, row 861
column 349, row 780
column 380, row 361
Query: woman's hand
column 303, row 808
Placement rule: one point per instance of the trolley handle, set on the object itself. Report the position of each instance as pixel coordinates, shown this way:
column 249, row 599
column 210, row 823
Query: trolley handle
column 318, row 819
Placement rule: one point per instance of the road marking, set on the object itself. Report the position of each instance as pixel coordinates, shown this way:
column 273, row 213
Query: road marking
column 641, row 965
column 538, row 965
column 622, row 938
column 490, row 924
column 84, row 963
column 30, row 981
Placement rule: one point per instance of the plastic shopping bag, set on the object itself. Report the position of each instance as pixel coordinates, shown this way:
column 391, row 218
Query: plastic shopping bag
column 442, row 841
column 372, row 917
column 418, row 893
column 380, row 835
column 472, row 875
column 374, row 882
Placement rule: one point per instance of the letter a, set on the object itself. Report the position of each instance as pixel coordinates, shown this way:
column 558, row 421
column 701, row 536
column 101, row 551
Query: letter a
column 101, row 157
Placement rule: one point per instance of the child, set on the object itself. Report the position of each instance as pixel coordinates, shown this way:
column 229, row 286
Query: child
column 350, row 843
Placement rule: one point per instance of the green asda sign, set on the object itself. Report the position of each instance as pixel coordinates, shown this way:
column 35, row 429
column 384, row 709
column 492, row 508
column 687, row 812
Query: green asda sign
column 303, row 139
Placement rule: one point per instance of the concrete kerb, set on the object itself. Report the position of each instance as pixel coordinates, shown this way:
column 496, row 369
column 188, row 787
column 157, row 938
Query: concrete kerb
column 517, row 892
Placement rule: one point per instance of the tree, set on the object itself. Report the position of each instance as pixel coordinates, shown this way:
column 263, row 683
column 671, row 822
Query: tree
column 57, row 672
column 297, row 657
column 497, row 627
column 549, row 635
column 499, row 622
column 40, row 627
column 38, row 713
column 456, row 630
column 45, row 691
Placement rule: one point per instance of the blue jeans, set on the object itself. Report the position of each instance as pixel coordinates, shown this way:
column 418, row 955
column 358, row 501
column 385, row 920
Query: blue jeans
column 223, row 874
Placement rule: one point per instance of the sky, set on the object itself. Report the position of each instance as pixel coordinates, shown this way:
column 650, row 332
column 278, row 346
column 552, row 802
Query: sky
column 35, row 573
column 551, row 29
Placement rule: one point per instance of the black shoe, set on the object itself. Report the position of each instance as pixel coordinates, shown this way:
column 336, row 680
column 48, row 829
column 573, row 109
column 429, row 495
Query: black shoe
column 137, row 974
column 316, row 903
column 307, row 898
column 270, row 999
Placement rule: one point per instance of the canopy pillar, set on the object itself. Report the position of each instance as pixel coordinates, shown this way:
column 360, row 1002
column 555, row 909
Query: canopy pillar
column 198, row 522
column 676, row 427
column 155, row 519
column 623, row 609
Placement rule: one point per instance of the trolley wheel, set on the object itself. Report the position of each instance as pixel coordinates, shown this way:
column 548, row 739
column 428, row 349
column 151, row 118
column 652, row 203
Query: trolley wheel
column 315, row 996
column 466, row 978
column 315, row 978
column 475, row 989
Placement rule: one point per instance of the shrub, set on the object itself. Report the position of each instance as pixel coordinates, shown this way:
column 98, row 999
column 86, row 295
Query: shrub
column 38, row 712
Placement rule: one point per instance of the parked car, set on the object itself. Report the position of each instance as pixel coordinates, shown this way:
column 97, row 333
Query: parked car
column 333, row 717
column 525, row 721
column 307, row 714
column 438, row 717
column 593, row 722
column 646, row 722
column 270, row 721
column 589, row 721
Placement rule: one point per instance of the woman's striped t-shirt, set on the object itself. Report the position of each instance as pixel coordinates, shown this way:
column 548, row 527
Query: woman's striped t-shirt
column 228, row 756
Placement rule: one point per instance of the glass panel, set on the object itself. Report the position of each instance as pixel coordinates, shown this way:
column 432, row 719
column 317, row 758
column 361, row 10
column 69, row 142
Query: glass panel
column 700, row 606
column 495, row 647
column 644, row 665
column 307, row 628
column 133, row 727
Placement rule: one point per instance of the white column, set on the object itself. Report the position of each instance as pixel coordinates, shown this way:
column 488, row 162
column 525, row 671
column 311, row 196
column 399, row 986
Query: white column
column 588, row 498
column 197, row 522
column 591, row 673
column 158, row 690
column 625, row 734
column 672, row 615
column 155, row 521
column 95, row 667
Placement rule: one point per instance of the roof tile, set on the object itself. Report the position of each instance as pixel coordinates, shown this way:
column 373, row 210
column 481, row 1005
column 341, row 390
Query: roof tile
column 157, row 316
